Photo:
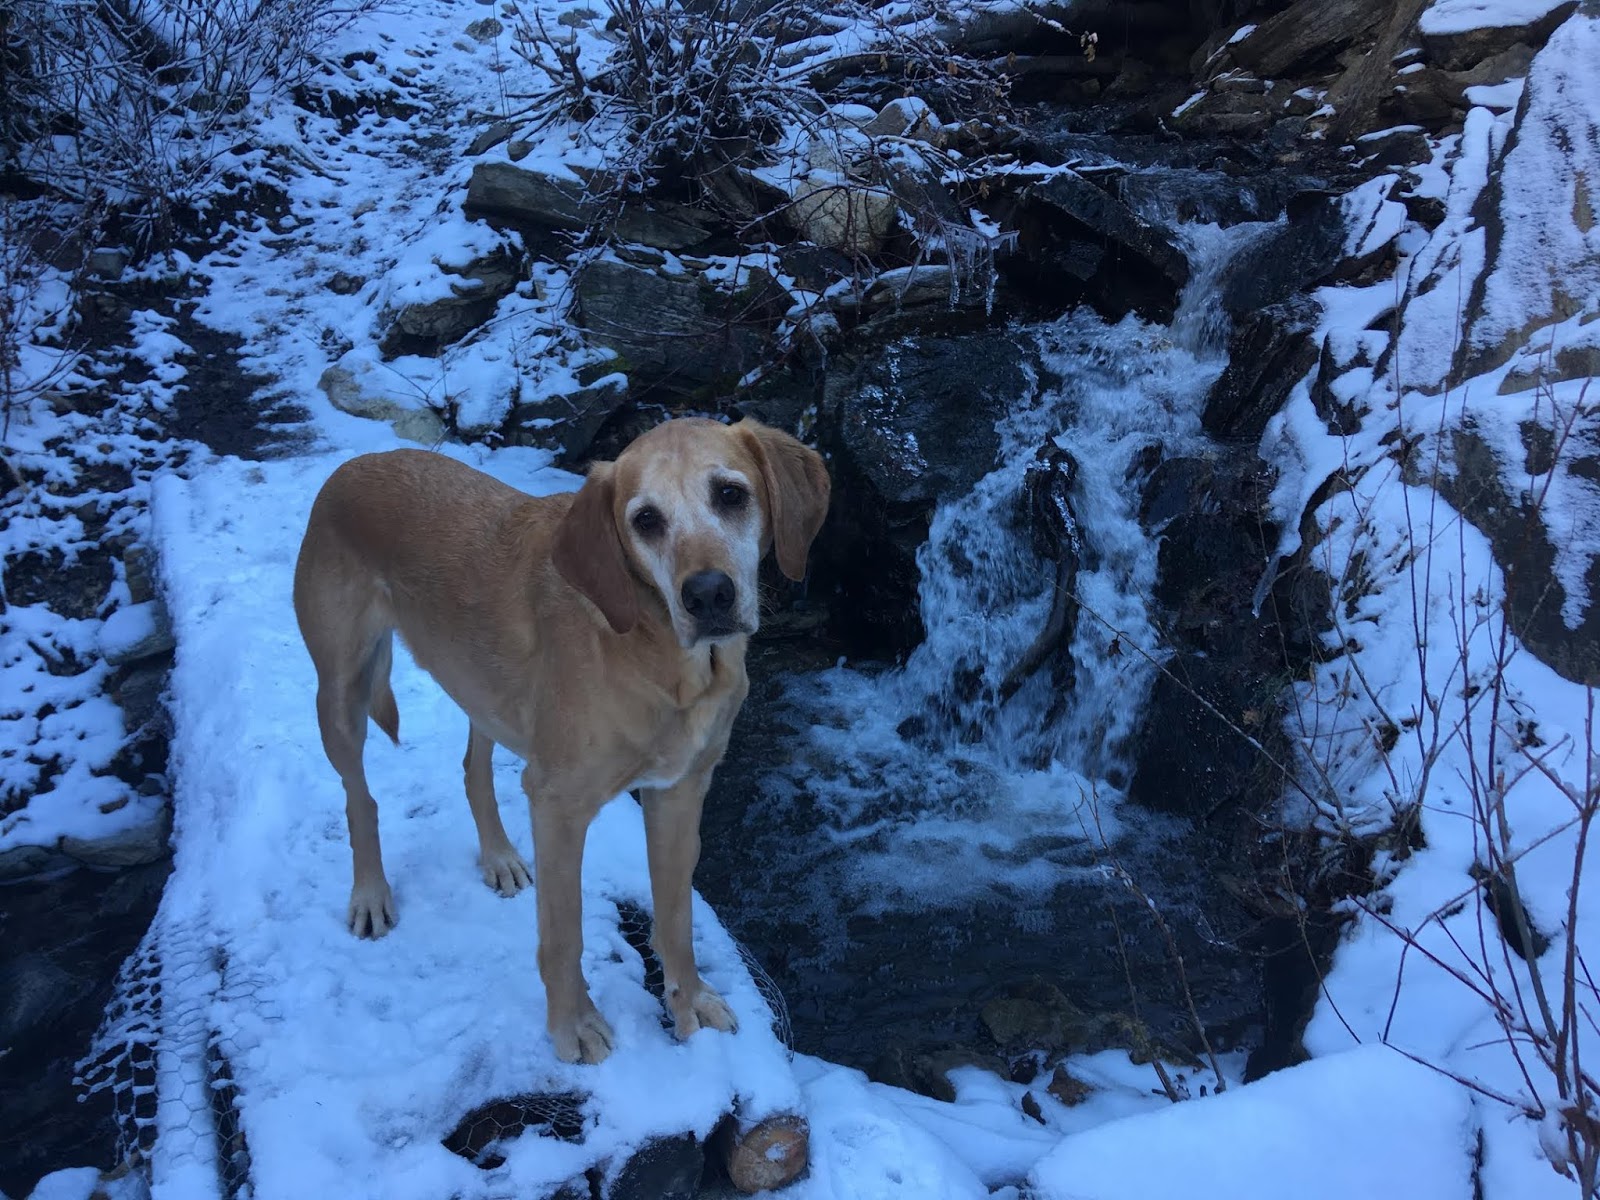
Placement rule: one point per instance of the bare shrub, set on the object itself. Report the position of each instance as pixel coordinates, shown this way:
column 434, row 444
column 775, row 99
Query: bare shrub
column 136, row 101
column 1454, row 733
column 690, row 89
column 44, row 249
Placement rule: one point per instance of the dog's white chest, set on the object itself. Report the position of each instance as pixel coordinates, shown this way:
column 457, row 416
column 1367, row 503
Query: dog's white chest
column 688, row 732
column 683, row 743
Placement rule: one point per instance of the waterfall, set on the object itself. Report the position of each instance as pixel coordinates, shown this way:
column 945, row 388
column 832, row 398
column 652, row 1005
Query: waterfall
column 933, row 782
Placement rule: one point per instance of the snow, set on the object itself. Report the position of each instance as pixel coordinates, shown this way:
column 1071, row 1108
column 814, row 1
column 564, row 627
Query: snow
column 1366, row 1122
column 1462, row 16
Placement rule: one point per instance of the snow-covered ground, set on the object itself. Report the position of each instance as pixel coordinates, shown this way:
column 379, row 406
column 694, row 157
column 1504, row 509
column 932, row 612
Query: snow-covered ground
column 350, row 1062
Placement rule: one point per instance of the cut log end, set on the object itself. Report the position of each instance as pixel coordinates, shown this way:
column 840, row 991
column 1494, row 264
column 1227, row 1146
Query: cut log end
column 766, row 1155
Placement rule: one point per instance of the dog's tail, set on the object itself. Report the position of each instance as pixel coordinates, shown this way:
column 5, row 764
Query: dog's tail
column 385, row 713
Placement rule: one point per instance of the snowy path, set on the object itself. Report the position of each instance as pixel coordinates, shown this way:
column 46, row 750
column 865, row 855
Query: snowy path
column 354, row 1060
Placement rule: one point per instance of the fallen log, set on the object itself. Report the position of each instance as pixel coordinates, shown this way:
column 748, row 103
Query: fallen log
column 1047, row 488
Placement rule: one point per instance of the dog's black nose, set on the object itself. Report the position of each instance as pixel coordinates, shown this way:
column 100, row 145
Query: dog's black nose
column 708, row 597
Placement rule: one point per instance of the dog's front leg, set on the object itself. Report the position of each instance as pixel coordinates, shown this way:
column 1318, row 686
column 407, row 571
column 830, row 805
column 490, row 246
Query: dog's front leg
column 672, row 835
column 560, row 826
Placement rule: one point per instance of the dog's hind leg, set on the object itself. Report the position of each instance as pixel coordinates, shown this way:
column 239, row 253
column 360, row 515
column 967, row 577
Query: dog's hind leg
column 503, row 868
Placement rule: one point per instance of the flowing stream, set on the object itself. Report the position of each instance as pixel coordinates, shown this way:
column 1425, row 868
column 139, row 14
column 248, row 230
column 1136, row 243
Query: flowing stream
column 916, row 844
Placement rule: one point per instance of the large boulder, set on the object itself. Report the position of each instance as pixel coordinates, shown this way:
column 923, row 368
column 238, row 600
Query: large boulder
column 905, row 427
column 1433, row 96
column 1539, row 210
column 467, row 299
column 1458, row 33
column 677, row 329
column 1327, row 238
column 1270, row 351
column 1221, row 687
column 1305, row 34
column 527, row 196
column 1074, row 236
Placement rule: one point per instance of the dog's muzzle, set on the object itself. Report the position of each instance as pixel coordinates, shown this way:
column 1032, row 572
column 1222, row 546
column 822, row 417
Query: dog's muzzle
column 709, row 598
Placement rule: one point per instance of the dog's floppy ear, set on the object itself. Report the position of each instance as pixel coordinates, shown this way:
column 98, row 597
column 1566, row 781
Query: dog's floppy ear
column 797, row 487
column 588, row 551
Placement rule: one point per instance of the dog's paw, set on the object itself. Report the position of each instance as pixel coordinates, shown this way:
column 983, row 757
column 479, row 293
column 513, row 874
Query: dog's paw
column 505, row 872
column 704, row 1009
column 585, row 1039
column 371, row 913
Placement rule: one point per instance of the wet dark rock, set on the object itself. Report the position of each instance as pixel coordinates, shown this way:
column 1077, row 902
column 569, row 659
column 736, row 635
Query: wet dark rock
column 678, row 330
column 1224, row 113
column 1399, row 147
column 661, row 1169
column 1220, row 689
column 1215, row 196
column 1033, row 1015
column 923, row 199
column 1041, row 78
column 1455, row 51
column 1036, row 1016
column 1047, row 489
column 906, row 427
column 1305, row 35
column 1269, row 353
column 814, row 267
column 1074, row 236
column 61, row 942
column 1307, row 251
column 1172, row 486
column 929, row 285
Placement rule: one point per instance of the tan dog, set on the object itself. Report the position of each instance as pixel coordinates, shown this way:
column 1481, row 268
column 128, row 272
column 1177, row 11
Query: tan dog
column 599, row 635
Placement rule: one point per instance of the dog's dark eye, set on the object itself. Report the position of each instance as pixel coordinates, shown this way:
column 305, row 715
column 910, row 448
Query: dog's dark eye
column 730, row 497
column 648, row 522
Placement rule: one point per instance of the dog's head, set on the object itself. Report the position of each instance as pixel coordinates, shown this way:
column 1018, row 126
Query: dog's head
column 690, row 508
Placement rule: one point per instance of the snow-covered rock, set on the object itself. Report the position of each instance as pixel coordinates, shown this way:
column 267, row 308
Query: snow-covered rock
column 362, row 386
column 1543, row 231
column 136, row 631
column 1458, row 33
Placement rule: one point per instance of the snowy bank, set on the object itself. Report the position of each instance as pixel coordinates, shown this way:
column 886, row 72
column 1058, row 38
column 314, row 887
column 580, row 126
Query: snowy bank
column 1368, row 1122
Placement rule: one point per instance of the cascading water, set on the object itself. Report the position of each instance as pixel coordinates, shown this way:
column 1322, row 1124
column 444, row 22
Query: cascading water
column 921, row 766
column 926, row 824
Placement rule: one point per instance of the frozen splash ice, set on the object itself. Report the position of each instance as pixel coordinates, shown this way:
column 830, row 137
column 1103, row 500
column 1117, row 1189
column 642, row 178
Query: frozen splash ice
column 935, row 784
